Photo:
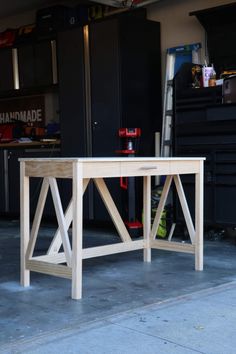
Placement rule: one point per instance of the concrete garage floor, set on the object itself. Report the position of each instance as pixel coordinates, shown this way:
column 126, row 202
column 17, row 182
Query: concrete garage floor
column 128, row 306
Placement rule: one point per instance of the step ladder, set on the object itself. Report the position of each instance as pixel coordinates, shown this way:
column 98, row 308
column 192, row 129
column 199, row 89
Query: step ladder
column 175, row 56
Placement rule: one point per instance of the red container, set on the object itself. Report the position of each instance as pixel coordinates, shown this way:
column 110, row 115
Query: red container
column 6, row 132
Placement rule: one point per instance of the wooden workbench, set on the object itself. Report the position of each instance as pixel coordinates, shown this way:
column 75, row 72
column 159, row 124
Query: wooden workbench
column 68, row 264
column 30, row 145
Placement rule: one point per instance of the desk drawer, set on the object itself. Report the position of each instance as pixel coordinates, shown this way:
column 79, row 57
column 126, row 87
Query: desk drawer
column 146, row 168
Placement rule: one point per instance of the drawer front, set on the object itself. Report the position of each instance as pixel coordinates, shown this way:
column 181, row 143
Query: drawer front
column 101, row 169
column 145, row 168
column 184, row 166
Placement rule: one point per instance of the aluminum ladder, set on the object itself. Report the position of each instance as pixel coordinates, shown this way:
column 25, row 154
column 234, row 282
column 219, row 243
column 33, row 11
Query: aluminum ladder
column 167, row 118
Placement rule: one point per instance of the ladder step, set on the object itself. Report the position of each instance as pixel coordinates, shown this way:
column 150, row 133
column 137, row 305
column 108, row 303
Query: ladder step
column 169, row 112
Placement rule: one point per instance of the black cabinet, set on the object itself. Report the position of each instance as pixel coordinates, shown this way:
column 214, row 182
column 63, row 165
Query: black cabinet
column 6, row 70
column 106, row 110
column 109, row 77
column 220, row 26
column 110, row 81
column 14, row 180
column 35, row 64
column 36, row 183
column 10, row 181
column 2, row 184
column 70, row 49
column 27, row 66
column 206, row 127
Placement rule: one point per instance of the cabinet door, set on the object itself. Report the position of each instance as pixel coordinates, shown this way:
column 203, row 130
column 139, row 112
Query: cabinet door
column 105, row 87
column 26, row 66
column 14, row 180
column 2, row 183
column 35, row 183
column 70, row 53
column 43, row 63
column 141, row 100
column 35, row 64
column 6, row 71
column 105, row 102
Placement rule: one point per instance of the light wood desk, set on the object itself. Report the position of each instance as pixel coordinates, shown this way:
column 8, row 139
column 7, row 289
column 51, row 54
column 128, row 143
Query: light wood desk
column 68, row 264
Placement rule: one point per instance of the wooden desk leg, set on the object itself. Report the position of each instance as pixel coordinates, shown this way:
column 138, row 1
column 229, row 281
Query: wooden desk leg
column 199, row 218
column 77, row 231
column 147, row 217
column 24, row 224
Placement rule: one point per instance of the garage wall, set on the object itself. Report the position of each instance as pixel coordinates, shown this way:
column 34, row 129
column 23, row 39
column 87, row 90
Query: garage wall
column 177, row 27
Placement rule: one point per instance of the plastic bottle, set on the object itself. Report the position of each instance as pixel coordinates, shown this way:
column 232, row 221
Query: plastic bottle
column 212, row 79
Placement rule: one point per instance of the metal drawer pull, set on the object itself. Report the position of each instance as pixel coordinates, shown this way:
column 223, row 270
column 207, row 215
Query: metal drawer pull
column 148, row 168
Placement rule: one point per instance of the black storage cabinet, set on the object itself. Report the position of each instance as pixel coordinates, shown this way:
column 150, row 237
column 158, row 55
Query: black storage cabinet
column 123, row 72
column 6, row 70
column 35, row 64
column 10, row 181
column 2, row 184
column 206, row 127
